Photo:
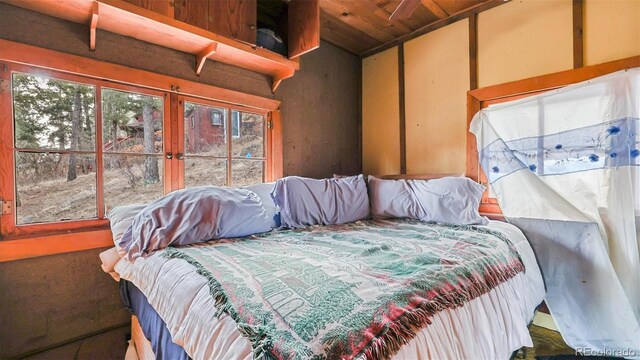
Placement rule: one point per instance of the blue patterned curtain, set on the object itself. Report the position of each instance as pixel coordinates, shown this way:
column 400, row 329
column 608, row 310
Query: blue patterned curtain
column 565, row 167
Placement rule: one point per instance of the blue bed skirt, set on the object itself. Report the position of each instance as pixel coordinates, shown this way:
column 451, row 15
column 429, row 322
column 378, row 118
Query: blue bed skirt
column 153, row 327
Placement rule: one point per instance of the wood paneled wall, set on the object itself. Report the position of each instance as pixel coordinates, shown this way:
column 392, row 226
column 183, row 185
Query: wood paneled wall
column 51, row 300
column 517, row 40
column 612, row 30
column 381, row 114
column 432, row 84
column 515, row 44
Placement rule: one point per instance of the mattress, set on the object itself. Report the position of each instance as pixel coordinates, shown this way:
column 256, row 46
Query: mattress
column 490, row 326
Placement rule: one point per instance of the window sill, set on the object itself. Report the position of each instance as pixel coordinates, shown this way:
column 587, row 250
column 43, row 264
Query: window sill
column 24, row 248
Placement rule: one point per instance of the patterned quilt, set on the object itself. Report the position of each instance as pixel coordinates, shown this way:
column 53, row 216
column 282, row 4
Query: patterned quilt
column 359, row 290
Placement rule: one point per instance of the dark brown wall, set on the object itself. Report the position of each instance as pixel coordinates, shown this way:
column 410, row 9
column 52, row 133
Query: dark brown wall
column 320, row 115
column 53, row 299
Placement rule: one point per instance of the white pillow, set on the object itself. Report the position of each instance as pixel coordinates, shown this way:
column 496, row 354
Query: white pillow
column 120, row 217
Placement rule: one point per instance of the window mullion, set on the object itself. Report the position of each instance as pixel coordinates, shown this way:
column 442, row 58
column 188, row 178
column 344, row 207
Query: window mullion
column 229, row 144
column 7, row 180
column 99, row 155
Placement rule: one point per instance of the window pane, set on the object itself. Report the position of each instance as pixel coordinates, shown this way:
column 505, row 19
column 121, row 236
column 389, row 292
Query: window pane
column 205, row 130
column 203, row 171
column 131, row 122
column 132, row 179
column 247, row 172
column 248, row 134
column 53, row 114
column 55, row 187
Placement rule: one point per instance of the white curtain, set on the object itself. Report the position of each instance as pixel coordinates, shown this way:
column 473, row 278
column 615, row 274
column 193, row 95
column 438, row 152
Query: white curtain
column 565, row 168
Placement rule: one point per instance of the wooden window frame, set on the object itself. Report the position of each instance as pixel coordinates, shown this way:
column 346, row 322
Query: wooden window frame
column 228, row 134
column 53, row 238
column 481, row 98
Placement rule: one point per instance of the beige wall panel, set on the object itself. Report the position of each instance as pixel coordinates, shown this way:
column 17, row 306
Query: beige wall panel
column 436, row 83
column 380, row 114
column 524, row 38
column 611, row 30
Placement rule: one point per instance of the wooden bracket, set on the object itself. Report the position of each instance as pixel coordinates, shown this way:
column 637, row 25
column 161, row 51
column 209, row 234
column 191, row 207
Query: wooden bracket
column 277, row 78
column 94, row 25
column 203, row 55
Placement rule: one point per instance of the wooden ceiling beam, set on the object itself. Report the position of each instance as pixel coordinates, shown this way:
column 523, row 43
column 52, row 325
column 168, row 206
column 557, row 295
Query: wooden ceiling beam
column 484, row 6
column 435, row 8
column 95, row 12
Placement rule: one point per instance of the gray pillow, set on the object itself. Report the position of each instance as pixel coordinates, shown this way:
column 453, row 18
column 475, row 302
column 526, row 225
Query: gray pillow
column 120, row 218
column 304, row 201
column 191, row 216
column 453, row 200
column 393, row 199
column 264, row 193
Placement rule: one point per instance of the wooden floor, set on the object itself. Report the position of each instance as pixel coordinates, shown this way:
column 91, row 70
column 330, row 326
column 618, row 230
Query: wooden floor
column 546, row 343
column 112, row 345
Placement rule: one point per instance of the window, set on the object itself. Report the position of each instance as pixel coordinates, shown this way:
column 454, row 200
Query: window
column 54, row 149
column 133, row 144
column 82, row 146
column 209, row 158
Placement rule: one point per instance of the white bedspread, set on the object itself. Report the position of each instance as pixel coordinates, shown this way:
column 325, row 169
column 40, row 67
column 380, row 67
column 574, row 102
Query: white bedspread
column 491, row 326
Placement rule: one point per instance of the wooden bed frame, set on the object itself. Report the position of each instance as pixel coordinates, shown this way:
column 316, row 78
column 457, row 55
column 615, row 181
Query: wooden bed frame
column 143, row 346
column 481, row 98
column 476, row 100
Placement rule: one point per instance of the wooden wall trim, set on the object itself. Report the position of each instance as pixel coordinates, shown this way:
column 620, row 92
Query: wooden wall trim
column 402, row 111
column 578, row 39
column 473, row 52
column 360, row 111
column 477, row 99
column 552, row 81
column 277, row 146
column 78, row 65
column 54, row 244
column 484, row 6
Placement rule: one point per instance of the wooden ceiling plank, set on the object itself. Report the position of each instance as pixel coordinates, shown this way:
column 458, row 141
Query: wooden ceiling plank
column 478, row 8
column 341, row 12
column 454, row 6
column 419, row 18
column 344, row 36
column 376, row 15
column 367, row 7
column 405, row 9
column 435, row 8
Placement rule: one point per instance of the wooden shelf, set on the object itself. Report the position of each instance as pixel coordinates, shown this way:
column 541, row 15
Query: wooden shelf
column 130, row 20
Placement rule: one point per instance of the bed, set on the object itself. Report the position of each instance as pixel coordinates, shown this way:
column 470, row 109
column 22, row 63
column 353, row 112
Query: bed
column 175, row 302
